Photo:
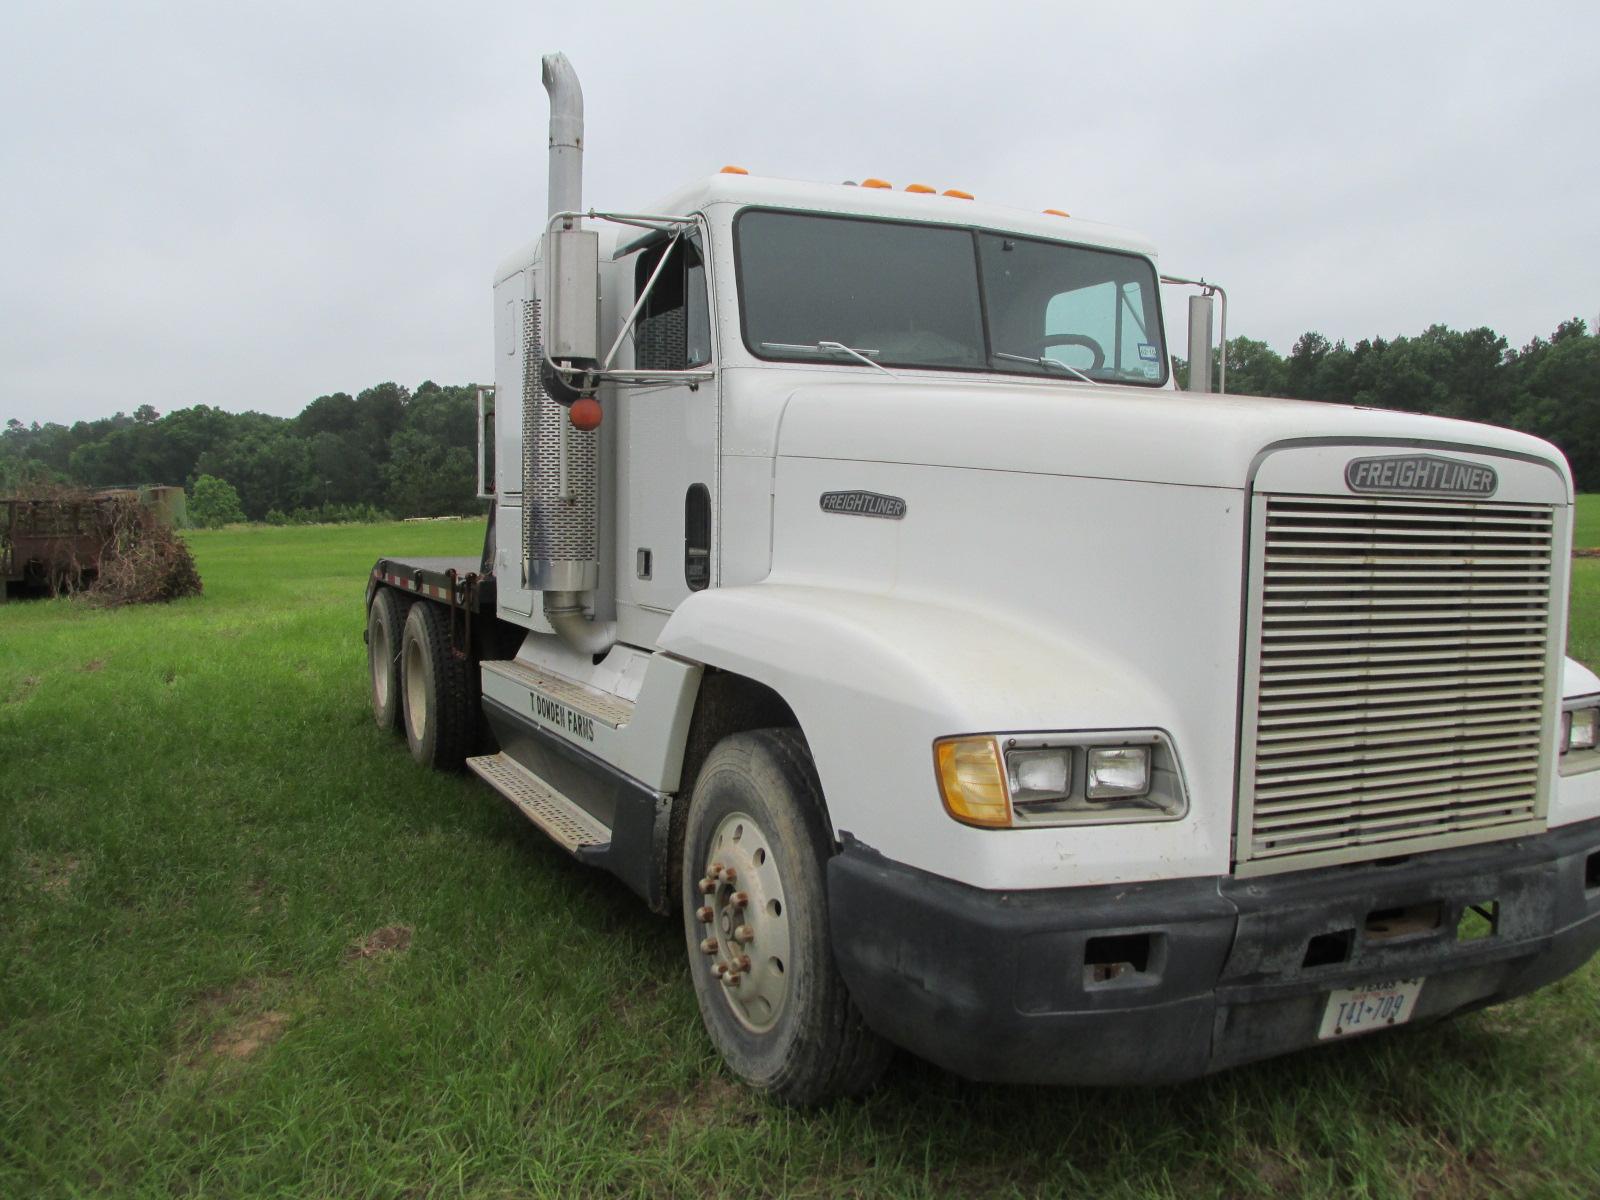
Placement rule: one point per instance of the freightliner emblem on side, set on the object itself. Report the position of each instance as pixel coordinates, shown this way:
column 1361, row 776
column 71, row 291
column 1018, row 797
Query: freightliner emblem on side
column 1420, row 474
column 864, row 504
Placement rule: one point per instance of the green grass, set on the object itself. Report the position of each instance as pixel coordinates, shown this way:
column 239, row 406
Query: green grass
column 1586, row 523
column 200, row 827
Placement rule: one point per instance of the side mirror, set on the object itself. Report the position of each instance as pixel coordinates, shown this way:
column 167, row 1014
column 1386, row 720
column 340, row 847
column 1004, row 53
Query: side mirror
column 1200, row 308
column 572, row 297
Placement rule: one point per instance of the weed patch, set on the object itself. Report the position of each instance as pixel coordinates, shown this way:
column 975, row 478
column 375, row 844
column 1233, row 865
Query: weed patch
column 246, row 1037
column 391, row 939
column 51, row 876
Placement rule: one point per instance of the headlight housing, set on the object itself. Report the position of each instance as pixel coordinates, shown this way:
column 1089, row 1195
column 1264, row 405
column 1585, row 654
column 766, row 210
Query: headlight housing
column 1578, row 728
column 1025, row 780
column 1579, row 743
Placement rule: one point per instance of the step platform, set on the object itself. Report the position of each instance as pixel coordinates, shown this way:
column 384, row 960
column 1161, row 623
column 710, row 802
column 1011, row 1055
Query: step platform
column 605, row 707
column 568, row 825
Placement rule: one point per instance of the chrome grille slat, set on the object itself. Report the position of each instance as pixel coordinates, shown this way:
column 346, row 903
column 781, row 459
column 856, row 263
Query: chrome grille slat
column 1399, row 674
column 1271, row 798
column 1399, row 560
column 1270, row 753
column 1389, row 812
column 1322, row 840
column 1372, row 764
column 1326, row 718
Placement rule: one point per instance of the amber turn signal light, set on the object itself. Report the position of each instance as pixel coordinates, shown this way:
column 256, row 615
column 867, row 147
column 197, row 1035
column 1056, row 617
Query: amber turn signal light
column 972, row 781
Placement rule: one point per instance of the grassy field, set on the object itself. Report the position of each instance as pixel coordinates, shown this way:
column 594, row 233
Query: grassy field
column 246, row 948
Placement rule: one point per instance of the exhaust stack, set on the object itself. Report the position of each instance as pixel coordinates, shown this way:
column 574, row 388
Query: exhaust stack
column 561, row 464
column 566, row 134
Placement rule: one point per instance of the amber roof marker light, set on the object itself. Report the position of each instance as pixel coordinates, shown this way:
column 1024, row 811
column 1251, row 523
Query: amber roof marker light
column 733, row 171
column 956, row 194
column 1056, row 212
column 921, row 189
column 876, row 183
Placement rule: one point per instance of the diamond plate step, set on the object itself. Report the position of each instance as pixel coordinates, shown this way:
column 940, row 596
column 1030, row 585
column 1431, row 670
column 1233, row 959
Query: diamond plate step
column 602, row 706
column 568, row 825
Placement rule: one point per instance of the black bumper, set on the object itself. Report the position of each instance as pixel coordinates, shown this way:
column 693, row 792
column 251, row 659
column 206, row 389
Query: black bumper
column 1025, row 986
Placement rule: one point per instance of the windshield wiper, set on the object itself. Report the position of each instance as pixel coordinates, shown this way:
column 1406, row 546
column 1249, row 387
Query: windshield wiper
column 1042, row 362
column 833, row 348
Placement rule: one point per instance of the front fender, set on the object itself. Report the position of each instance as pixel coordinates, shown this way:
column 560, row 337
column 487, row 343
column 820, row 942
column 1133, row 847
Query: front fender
column 874, row 679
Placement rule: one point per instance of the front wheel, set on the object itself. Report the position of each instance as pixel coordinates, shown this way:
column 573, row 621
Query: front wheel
column 756, row 919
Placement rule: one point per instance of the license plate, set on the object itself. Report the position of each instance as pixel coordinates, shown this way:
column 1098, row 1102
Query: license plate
column 1371, row 1006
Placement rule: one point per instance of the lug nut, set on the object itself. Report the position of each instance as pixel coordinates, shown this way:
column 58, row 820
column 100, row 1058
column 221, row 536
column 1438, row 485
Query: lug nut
column 703, row 914
column 744, row 934
column 740, row 899
column 708, row 946
column 731, row 979
column 729, row 874
column 707, row 886
column 742, row 963
column 719, row 969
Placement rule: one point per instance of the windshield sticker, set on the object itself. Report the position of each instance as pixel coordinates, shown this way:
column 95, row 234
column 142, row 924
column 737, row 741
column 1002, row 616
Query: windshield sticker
column 1148, row 352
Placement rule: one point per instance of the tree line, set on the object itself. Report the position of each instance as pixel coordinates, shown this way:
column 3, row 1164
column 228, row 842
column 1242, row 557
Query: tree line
column 1550, row 387
column 385, row 450
column 391, row 450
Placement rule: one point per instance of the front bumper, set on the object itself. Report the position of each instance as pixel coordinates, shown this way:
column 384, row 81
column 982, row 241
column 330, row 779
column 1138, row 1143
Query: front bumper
column 1005, row 986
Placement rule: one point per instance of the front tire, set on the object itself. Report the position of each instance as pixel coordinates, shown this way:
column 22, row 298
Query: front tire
column 435, row 689
column 756, row 920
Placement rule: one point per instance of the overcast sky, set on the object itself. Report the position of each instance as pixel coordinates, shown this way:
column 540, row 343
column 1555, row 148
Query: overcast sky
column 251, row 206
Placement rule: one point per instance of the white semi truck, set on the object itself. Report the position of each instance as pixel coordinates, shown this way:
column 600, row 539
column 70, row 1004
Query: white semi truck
column 859, row 586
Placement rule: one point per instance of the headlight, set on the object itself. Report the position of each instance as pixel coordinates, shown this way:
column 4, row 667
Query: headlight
column 1118, row 771
column 1043, row 774
column 1003, row 780
column 1578, row 729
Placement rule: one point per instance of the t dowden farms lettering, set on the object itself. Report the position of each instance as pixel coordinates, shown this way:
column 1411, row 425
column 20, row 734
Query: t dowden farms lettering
column 575, row 724
column 1420, row 473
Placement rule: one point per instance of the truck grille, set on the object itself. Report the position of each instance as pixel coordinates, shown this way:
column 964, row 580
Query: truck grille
column 1396, row 689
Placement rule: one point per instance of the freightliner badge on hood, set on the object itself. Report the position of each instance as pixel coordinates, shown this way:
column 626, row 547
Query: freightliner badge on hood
column 1420, row 475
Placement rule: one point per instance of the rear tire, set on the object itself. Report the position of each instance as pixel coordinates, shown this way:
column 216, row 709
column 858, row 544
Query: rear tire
column 787, row 1025
column 437, row 697
column 386, row 619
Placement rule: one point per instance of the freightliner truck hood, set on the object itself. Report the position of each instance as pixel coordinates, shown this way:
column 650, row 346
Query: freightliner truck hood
column 1103, row 433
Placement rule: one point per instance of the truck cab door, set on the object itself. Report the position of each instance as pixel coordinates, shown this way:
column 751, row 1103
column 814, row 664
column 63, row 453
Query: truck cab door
column 667, row 444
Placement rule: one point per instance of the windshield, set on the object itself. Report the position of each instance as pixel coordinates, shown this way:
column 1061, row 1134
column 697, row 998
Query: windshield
column 911, row 295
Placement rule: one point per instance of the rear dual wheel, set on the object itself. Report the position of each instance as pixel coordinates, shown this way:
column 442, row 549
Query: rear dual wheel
column 756, row 920
column 438, row 699
column 386, row 618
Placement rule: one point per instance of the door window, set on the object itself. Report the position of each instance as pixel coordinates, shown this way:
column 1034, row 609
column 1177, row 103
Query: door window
column 674, row 329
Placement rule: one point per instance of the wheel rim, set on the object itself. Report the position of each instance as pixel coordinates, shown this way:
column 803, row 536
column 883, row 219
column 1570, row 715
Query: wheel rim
column 416, row 692
column 382, row 662
column 745, row 917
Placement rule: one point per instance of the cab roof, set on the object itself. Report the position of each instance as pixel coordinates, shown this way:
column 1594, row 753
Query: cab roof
column 760, row 191
column 766, row 192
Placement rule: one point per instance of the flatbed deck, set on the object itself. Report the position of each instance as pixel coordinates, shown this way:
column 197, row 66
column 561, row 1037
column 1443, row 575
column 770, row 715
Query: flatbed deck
column 455, row 580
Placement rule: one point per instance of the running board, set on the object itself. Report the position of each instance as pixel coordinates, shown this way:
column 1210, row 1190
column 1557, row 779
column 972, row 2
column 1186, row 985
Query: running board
column 568, row 825
column 562, row 693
